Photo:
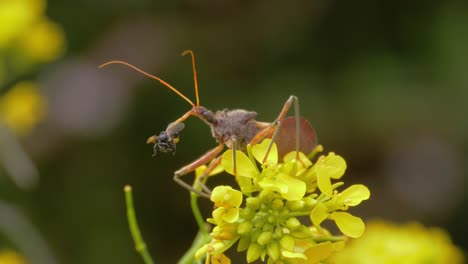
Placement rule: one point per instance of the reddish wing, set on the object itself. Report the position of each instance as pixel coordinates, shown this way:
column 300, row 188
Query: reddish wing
column 286, row 139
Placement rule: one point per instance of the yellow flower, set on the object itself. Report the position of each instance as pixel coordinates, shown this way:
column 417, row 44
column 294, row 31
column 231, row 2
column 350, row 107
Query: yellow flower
column 11, row 257
column 22, row 107
column 16, row 16
column 407, row 244
column 227, row 200
column 43, row 41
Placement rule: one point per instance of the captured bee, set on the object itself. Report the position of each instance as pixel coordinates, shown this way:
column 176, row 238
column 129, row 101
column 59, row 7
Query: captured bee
column 234, row 129
column 166, row 140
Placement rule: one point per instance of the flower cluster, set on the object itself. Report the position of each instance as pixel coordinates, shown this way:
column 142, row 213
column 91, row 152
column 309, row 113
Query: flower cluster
column 409, row 243
column 268, row 225
column 30, row 35
column 29, row 39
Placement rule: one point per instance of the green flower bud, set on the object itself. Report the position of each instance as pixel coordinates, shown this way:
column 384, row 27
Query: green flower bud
column 254, row 252
column 292, row 223
column 309, row 202
column 284, row 212
column 287, row 243
column 244, row 228
column 258, row 223
column 248, row 213
column 277, row 204
column 279, row 232
column 273, row 250
column 302, row 232
column 244, row 243
column 253, row 203
column 266, row 196
column 268, row 227
column 295, row 205
column 264, row 238
column 272, row 219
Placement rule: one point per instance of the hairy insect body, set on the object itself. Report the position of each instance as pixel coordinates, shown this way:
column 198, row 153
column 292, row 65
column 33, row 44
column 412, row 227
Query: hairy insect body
column 239, row 124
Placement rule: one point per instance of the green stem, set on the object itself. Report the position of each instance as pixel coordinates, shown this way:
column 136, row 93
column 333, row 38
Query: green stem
column 299, row 213
column 203, row 236
column 196, row 213
column 189, row 256
column 140, row 245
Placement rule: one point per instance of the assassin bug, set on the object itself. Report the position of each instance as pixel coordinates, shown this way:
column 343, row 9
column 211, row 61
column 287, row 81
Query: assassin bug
column 233, row 128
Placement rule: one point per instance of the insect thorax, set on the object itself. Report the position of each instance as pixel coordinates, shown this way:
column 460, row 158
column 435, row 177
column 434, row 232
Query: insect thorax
column 238, row 123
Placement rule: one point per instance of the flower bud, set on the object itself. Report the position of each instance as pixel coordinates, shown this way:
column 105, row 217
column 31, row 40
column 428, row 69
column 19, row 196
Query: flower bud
column 247, row 213
column 253, row 203
column 309, row 202
column 254, row 252
column 295, row 205
column 244, row 228
column 273, row 250
column 292, row 223
column 264, row 238
column 287, row 243
column 277, row 204
column 279, row 232
column 266, row 196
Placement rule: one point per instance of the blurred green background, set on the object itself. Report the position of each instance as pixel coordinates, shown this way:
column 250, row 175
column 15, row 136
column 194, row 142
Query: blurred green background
column 384, row 83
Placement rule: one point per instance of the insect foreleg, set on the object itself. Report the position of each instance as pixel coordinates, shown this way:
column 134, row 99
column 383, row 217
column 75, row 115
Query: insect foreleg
column 201, row 180
column 205, row 158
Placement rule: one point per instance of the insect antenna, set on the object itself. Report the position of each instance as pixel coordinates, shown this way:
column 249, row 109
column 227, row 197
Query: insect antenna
column 155, row 78
column 194, row 73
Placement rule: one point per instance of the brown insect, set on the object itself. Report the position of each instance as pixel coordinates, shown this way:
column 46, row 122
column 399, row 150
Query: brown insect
column 233, row 128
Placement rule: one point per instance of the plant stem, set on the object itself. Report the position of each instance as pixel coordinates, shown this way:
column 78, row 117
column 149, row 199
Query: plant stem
column 203, row 236
column 189, row 256
column 197, row 214
column 140, row 245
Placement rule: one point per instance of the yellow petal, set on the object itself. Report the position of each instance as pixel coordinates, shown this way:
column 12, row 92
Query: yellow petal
column 318, row 252
column 354, row 195
column 259, row 152
column 333, row 165
column 302, row 157
column 244, row 166
column 324, row 183
column 318, row 214
column 350, row 225
column 293, row 255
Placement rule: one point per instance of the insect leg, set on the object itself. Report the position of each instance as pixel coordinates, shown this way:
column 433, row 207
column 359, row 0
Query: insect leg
column 282, row 114
column 273, row 128
column 234, row 160
column 210, row 168
column 205, row 158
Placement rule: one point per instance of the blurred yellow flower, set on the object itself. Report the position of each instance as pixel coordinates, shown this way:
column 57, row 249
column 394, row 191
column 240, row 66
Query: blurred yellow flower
column 11, row 257
column 22, row 107
column 43, row 42
column 16, row 16
column 405, row 244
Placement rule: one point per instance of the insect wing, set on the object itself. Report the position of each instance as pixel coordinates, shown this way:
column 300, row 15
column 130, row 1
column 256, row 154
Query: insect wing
column 286, row 139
